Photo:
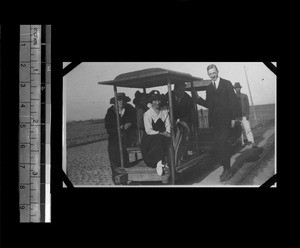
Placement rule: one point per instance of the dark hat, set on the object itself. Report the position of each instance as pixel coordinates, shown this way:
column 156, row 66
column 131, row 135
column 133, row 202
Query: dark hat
column 237, row 85
column 154, row 95
column 138, row 96
column 120, row 96
column 179, row 85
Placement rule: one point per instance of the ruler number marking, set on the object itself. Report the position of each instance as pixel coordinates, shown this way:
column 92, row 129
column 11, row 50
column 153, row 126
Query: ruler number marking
column 31, row 71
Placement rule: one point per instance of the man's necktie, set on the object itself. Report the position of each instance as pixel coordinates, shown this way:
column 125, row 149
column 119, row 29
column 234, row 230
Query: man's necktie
column 214, row 83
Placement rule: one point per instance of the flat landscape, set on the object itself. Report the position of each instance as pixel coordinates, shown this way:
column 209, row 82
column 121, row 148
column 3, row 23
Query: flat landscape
column 85, row 132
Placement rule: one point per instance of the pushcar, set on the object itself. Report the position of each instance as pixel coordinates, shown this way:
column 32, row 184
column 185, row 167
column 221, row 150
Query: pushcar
column 137, row 171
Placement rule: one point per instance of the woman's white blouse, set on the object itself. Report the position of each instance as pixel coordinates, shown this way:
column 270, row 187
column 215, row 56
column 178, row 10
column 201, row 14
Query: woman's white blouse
column 152, row 115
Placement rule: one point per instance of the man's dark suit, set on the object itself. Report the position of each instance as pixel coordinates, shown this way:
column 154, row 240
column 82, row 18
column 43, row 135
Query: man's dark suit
column 221, row 104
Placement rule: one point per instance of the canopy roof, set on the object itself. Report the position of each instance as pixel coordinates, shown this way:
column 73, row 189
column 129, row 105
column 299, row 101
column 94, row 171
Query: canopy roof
column 198, row 85
column 153, row 77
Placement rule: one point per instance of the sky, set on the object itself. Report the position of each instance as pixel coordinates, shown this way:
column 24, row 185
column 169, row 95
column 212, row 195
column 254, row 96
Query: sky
column 85, row 99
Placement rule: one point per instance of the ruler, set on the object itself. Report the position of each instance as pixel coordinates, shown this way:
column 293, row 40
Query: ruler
column 31, row 125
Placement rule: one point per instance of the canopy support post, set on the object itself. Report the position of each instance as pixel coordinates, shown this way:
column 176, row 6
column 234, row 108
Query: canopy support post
column 119, row 130
column 197, row 121
column 171, row 151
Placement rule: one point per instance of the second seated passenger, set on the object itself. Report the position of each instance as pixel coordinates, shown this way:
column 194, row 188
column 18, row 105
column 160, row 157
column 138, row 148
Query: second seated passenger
column 155, row 142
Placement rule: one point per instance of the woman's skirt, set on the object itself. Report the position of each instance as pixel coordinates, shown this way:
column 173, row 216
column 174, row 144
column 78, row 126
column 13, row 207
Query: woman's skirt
column 154, row 148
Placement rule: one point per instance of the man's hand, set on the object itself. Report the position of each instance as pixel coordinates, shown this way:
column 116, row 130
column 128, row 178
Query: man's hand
column 127, row 125
column 232, row 123
column 195, row 94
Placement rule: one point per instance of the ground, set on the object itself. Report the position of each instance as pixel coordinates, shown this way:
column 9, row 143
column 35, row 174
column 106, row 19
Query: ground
column 88, row 164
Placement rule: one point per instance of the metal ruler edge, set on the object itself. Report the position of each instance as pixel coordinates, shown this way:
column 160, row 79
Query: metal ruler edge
column 34, row 82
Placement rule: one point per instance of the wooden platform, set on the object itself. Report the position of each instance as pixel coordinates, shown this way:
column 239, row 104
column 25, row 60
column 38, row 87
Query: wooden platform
column 141, row 172
column 133, row 149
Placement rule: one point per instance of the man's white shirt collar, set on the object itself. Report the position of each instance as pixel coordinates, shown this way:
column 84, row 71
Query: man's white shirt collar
column 122, row 112
column 217, row 82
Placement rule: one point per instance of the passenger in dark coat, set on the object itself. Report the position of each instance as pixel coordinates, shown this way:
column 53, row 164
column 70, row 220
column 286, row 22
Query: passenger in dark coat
column 184, row 111
column 221, row 104
column 183, row 106
column 127, row 114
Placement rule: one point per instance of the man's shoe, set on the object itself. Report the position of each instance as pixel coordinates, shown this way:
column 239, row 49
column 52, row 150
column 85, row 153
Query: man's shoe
column 227, row 175
column 222, row 175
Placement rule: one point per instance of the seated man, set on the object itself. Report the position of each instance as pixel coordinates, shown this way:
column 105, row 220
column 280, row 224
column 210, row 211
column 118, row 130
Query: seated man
column 140, row 102
column 184, row 112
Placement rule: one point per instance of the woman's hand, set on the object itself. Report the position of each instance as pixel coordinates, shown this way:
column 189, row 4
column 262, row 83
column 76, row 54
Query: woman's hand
column 166, row 134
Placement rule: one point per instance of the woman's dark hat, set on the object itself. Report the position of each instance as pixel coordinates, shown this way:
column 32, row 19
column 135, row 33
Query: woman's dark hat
column 120, row 96
column 237, row 85
column 154, row 95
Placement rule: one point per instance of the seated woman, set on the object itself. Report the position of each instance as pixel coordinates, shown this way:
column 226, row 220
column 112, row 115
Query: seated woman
column 155, row 142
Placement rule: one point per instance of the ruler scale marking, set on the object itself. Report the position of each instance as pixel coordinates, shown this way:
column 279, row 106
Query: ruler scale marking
column 29, row 137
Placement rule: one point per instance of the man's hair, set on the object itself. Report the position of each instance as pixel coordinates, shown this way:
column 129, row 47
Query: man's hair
column 212, row 66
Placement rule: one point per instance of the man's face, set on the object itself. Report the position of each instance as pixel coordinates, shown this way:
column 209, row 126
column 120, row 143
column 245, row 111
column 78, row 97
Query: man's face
column 213, row 74
column 121, row 103
column 238, row 90
column 179, row 91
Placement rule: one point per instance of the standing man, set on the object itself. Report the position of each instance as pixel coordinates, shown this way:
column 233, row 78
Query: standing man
column 221, row 103
column 244, row 107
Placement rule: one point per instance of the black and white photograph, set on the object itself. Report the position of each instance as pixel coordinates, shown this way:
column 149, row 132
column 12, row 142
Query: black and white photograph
column 141, row 122
column 169, row 124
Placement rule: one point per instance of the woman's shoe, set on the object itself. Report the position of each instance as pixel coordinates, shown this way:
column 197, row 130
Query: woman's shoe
column 159, row 168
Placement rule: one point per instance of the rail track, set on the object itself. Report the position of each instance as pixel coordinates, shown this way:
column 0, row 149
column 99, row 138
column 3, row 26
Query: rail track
column 256, row 164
